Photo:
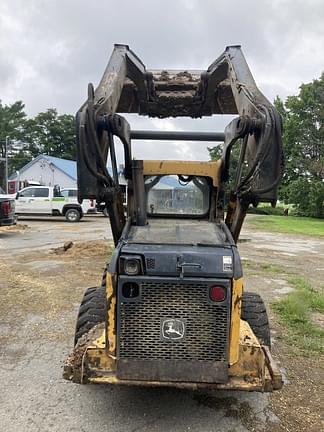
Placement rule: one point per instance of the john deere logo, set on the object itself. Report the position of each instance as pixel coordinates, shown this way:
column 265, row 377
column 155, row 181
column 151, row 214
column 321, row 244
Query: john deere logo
column 172, row 329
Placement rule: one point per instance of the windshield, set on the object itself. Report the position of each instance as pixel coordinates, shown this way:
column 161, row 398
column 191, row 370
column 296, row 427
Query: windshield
column 177, row 195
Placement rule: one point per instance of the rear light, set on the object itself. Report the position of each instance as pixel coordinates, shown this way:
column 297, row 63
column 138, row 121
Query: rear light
column 6, row 208
column 217, row 293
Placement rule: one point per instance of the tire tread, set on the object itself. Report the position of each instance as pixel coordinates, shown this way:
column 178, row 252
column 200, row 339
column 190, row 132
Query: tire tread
column 255, row 313
column 92, row 311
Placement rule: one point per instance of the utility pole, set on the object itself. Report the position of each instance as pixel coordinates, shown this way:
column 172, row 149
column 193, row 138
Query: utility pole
column 6, row 164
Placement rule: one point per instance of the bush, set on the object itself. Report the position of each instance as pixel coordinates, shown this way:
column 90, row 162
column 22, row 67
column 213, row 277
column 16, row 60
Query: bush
column 308, row 197
column 267, row 210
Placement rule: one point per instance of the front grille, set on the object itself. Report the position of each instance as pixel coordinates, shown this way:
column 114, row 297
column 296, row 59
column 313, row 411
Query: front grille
column 206, row 323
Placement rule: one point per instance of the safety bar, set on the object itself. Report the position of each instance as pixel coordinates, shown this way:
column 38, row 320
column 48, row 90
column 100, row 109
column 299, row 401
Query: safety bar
column 177, row 135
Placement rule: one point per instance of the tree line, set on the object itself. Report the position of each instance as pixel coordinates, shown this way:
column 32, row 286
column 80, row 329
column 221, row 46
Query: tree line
column 48, row 133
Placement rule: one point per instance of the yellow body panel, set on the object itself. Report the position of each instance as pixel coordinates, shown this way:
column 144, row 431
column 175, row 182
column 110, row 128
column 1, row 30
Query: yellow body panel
column 237, row 292
column 251, row 360
column 203, row 169
column 111, row 323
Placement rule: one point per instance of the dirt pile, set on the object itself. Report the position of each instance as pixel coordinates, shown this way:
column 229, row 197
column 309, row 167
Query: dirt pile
column 84, row 249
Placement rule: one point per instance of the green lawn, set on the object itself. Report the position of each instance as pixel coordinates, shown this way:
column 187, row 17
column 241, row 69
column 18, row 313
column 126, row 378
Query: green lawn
column 289, row 224
column 295, row 311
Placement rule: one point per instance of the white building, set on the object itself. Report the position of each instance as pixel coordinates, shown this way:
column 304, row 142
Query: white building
column 47, row 171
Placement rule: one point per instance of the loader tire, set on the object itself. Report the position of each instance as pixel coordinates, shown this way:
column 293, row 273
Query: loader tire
column 255, row 313
column 92, row 311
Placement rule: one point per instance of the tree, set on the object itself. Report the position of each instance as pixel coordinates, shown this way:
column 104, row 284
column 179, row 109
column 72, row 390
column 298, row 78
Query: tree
column 12, row 128
column 52, row 134
column 12, row 124
column 303, row 121
column 18, row 159
column 47, row 133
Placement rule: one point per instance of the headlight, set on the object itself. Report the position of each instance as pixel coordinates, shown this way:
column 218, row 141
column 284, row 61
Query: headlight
column 131, row 265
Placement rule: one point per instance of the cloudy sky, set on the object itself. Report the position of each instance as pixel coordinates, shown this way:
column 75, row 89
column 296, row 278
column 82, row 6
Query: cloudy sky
column 51, row 49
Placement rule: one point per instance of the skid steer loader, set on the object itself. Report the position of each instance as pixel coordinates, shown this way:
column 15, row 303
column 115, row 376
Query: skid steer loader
column 172, row 310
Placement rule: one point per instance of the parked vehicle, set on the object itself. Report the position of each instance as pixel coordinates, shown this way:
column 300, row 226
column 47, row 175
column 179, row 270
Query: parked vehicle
column 7, row 209
column 88, row 205
column 47, row 200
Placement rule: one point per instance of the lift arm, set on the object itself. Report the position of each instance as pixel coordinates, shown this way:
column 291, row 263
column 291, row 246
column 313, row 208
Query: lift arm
column 227, row 87
column 258, row 130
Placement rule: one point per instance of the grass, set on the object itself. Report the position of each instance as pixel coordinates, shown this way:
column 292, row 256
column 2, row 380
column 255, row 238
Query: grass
column 270, row 268
column 295, row 312
column 289, row 224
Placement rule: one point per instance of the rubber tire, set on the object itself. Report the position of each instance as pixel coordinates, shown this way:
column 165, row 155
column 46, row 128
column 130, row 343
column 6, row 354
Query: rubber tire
column 92, row 311
column 255, row 313
column 70, row 212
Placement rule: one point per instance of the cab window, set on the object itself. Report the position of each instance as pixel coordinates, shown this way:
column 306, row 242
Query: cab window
column 69, row 193
column 177, row 195
column 34, row 193
column 73, row 193
column 41, row 193
column 27, row 193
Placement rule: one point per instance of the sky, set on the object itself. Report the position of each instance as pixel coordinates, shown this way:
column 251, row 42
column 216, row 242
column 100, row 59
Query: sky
column 51, row 49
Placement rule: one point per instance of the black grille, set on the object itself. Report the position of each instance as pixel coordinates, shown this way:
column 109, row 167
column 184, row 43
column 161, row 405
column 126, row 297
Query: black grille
column 206, row 323
column 150, row 263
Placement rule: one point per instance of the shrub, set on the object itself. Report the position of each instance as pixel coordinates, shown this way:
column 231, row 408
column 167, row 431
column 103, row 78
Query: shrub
column 308, row 197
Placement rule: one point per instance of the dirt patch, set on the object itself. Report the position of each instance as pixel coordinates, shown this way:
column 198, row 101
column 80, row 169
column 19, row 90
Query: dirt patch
column 299, row 405
column 45, row 265
column 38, row 286
column 17, row 227
column 299, row 253
column 318, row 319
column 270, row 260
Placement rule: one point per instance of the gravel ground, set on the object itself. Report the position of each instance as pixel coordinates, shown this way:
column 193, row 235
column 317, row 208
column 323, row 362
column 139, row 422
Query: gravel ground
column 41, row 289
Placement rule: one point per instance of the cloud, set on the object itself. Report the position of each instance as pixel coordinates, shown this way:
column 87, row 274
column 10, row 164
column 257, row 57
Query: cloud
column 50, row 50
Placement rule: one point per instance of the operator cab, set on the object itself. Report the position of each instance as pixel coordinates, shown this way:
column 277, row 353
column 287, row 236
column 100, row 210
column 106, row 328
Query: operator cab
column 179, row 212
column 180, row 234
